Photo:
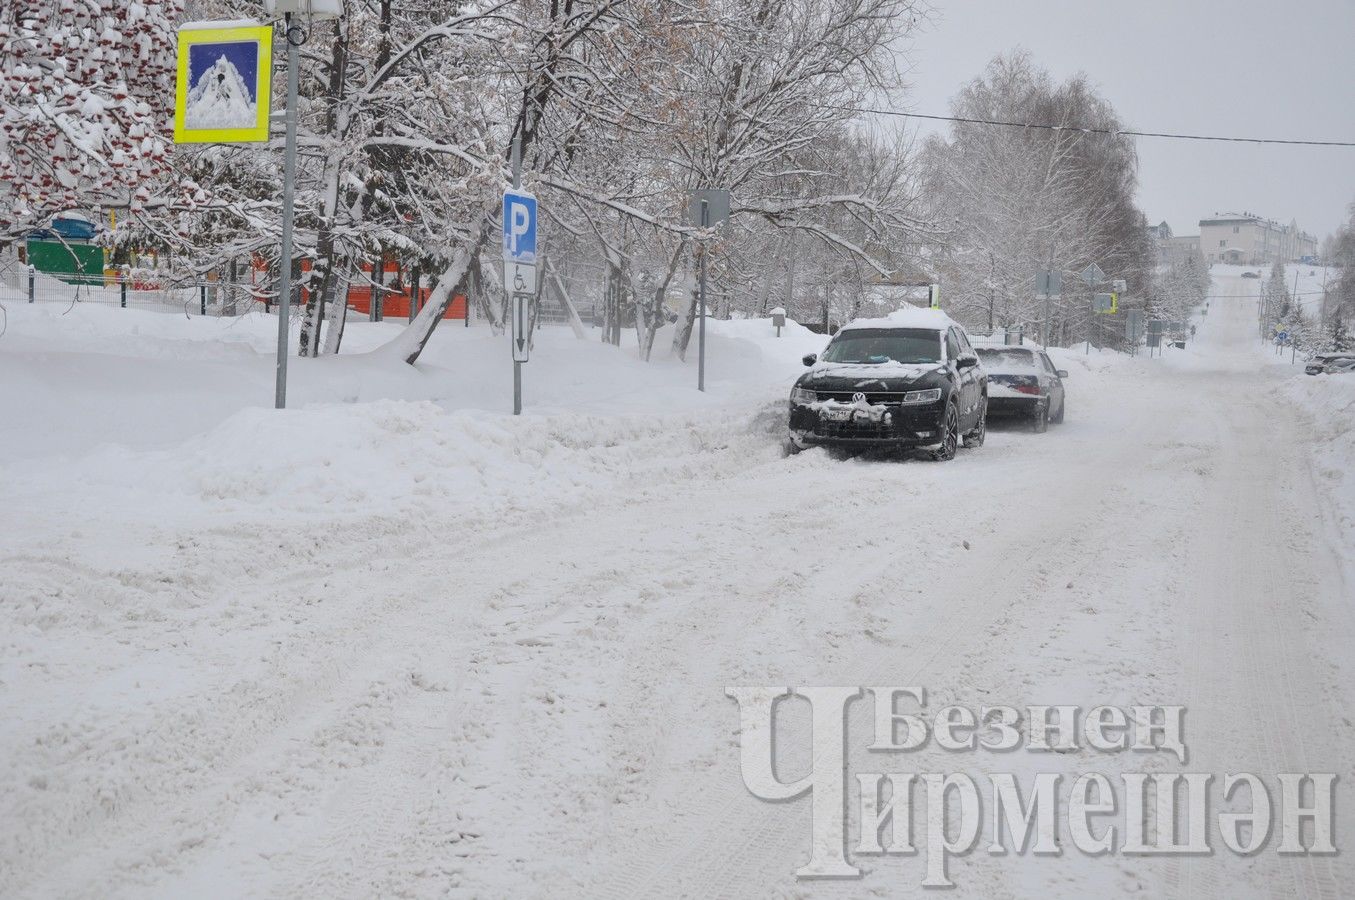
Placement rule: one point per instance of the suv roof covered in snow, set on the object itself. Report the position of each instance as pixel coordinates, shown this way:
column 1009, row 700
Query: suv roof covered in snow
column 908, row 317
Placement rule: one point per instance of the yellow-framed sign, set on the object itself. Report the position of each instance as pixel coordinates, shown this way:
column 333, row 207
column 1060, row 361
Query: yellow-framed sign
column 222, row 92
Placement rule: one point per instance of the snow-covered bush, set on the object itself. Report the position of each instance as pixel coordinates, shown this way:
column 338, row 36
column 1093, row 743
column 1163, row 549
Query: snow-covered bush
column 86, row 94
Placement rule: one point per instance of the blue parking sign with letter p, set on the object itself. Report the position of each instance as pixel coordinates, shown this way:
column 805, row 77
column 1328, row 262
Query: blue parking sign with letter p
column 519, row 227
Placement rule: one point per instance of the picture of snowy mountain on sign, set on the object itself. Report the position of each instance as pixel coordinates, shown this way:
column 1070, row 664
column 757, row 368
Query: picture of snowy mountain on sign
column 223, row 82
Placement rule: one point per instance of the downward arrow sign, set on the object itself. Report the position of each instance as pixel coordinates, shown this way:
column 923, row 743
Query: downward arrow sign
column 522, row 325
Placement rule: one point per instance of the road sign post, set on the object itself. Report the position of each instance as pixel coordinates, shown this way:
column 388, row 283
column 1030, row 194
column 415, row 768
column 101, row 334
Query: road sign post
column 1048, row 286
column 519, row 267
column 778, row 319
column 1134, row 330
column 1092, row 276
column 701, row 337
column 705, row 209
column 288, row 210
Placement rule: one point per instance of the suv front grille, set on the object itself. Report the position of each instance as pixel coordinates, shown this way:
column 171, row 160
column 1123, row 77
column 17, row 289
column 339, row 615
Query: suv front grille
column 875, row 398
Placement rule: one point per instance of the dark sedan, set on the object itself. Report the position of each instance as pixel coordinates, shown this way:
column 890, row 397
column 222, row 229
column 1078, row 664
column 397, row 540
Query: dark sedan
column 1022, row 381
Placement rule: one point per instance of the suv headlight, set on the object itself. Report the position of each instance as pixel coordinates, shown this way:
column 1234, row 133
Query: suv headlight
column 928, row 396
column 803, row 396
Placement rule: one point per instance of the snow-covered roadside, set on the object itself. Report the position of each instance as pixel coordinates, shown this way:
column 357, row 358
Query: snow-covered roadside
column 1328, row 402
column 120, row 429
column 149, row 497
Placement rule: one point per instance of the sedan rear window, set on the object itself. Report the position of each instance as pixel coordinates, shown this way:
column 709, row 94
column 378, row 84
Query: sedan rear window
column 1008, row 360
column 882, row 345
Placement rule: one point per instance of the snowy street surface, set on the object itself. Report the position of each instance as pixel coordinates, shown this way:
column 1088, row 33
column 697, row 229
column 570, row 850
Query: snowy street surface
column 411, row 648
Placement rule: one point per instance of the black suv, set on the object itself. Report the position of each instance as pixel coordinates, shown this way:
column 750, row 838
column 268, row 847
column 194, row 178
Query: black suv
column 911, row 381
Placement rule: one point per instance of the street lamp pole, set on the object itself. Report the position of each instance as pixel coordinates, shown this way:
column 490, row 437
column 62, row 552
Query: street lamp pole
column 288, row 207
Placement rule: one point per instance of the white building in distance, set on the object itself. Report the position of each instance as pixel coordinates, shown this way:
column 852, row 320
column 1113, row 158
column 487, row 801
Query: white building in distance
column 1250, row 240
column 1173, row 249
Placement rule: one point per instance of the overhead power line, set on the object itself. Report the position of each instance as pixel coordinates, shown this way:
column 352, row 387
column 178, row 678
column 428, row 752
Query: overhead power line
column 1083, row 130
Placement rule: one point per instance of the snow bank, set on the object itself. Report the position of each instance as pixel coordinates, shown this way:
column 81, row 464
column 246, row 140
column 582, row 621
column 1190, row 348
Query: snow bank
column 86, row 374
column 111, row 413
column 1330, row 402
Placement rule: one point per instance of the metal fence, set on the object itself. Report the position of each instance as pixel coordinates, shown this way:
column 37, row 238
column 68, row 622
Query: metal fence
column 206, row 298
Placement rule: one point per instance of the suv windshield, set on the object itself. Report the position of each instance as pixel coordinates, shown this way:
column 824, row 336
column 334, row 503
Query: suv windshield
column 882, row 345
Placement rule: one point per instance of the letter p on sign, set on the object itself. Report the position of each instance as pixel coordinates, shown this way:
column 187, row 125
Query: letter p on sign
column 519, row 227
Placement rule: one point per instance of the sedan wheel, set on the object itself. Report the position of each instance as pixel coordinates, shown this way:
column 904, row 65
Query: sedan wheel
column 1039, row 423
column 1057, row 418
column 950, row 439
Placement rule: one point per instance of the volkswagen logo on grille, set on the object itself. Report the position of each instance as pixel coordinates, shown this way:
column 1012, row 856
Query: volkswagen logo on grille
column 858, row 397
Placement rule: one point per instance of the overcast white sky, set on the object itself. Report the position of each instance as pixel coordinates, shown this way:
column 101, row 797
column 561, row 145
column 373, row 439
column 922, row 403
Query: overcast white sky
column 1250, row 68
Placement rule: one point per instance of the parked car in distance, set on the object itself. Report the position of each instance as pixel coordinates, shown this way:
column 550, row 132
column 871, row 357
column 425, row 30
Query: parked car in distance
column 908, row 381
column 1319, row 363
column 1022, row 381
column 1344, row 366
column 1251, row 274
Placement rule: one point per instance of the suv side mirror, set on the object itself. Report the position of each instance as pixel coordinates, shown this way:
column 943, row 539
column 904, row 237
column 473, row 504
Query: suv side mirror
column 966, row 362
column 1062, row 373
column 810, row 358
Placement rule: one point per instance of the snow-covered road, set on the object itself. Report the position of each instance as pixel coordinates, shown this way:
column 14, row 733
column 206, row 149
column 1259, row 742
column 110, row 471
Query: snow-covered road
column 533, row 703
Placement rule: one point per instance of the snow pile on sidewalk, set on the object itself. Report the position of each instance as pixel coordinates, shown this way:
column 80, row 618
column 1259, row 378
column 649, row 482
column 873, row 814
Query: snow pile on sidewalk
column 1330, row 403
column 113, row 411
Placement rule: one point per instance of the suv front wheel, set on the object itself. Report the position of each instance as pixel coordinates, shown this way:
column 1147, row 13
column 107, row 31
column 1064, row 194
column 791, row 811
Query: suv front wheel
column 979, row 433
column 950, row 435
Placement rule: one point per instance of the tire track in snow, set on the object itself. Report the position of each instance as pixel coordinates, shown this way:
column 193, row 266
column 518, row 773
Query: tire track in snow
column 746, row 842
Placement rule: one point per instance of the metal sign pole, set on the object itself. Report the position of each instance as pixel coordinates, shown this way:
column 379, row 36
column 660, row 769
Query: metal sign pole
column 701, row 335
column 1092, row 316
column 288, row 181
column 517, row 366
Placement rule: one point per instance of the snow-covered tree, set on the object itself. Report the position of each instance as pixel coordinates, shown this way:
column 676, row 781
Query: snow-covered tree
column 1339, row 303
column 86, row 89
column 1018, row 200
column 1178, row 290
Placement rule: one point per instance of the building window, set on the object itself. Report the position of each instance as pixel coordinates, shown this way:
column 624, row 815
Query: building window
column 1223, row 243
column 1235, row 229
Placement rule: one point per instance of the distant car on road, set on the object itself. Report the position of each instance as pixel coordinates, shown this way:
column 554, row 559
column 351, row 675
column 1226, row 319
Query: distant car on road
column 908, row 381
column 1023, row 381
column 1322, row 362
column 1251, row 274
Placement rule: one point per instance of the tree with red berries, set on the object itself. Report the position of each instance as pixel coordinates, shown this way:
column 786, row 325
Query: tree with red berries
column 86, row 101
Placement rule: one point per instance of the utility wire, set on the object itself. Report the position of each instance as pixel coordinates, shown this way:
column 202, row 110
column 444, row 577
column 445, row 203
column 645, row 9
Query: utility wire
column 1081, row 130
column 1258, row 296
